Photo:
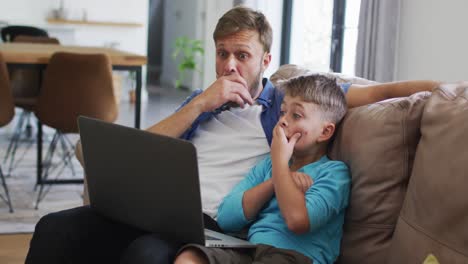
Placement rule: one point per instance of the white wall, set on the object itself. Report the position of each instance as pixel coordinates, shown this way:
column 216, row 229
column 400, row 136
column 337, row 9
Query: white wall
column 213, row 11
column 433, row 40
column 132, row 39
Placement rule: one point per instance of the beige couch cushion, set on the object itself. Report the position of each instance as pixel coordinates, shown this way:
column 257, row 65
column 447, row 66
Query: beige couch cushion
column 434, row 218
column 378, row 142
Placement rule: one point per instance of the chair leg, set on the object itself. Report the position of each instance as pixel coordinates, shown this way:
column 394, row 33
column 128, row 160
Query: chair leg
column 29, row 128
column 48, row 161
column 16, row 136
column 68, row 151
column 7, row 197
column 23, row 126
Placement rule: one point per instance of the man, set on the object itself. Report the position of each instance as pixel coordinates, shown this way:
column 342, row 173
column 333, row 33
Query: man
column 230, row 122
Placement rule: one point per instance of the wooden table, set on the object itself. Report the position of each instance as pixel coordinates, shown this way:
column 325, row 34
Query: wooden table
column 26, row 55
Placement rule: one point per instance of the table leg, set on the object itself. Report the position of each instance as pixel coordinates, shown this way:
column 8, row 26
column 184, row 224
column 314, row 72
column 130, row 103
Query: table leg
column 39, row 152
column 138, row 97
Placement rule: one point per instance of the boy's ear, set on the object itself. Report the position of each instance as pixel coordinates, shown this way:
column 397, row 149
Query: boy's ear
column 327, row 132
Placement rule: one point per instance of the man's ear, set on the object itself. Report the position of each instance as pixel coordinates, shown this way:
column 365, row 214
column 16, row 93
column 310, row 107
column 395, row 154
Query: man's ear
column 266, row 60
column 327, row 132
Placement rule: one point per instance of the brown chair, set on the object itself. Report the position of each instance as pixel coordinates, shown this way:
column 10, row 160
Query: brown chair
column 74, row 85
column 25, row 88
column 7, row 111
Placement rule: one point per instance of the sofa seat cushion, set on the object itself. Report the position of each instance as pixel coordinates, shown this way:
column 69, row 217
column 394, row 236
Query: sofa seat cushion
column 434, row 217
column 378, row 143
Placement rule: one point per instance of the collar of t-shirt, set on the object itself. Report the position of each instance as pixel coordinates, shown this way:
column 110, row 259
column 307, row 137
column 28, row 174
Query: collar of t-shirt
column 265, row 99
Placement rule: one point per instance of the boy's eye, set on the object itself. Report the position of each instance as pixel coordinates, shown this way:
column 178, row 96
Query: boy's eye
column 281, row 113
column 296, row 116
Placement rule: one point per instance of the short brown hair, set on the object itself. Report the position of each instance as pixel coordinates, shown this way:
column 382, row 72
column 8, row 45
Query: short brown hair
column 320, row 90
column 242, row 18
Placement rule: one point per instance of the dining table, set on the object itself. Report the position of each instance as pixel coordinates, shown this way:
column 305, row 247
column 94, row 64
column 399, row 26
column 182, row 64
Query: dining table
column 37, row 56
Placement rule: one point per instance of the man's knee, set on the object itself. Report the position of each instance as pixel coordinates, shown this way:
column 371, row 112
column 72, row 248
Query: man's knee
column 191, row 256
column 62, row 221
column 48, row 223
column 149, row 249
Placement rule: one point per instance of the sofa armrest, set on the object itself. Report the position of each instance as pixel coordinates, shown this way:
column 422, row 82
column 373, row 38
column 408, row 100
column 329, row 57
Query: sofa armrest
column 79, row 156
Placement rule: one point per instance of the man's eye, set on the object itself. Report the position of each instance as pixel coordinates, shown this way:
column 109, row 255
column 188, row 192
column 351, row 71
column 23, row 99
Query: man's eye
column 243, row 56
column 296, row 116
column 281, row 113
column 221, row 54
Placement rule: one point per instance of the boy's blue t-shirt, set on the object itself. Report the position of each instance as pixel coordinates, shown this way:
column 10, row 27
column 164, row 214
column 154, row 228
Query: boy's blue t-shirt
column 326, row 201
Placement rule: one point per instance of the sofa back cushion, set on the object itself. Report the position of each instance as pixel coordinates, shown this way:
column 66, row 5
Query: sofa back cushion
column 378, row 143
column 434, row 217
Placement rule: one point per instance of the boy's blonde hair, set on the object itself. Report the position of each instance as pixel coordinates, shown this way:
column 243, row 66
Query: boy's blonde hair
column 320, row 90
column 242, row 18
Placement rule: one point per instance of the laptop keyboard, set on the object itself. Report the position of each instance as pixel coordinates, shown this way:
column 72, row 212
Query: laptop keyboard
column 207, row 237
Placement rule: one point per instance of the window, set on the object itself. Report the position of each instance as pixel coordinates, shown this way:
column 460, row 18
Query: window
column 322, row 34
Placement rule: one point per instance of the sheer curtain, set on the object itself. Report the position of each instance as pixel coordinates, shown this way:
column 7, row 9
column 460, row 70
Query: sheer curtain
column 377, row 39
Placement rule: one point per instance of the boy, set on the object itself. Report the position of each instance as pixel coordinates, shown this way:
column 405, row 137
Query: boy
column 294, row 200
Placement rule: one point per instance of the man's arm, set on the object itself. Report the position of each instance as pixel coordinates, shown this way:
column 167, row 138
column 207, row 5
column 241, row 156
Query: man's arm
column 358, row 95
column 177, row 123
column 226, row 88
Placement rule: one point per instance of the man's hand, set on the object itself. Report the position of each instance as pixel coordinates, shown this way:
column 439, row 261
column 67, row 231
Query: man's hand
column 302, row 181
column 230, row 88
column 282, row 148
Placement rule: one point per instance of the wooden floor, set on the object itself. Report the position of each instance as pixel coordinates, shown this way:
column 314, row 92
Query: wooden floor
column 13, row 248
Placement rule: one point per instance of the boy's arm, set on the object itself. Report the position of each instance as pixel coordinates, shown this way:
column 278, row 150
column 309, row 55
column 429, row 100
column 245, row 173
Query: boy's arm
column 291, row 200
column 224, row 89
column 236, row 211
column 358, row 95
column 329, row 194
column 255, row 198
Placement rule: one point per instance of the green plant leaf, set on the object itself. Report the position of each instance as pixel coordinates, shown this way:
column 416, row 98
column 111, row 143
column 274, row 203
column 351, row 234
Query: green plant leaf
column 185, row 52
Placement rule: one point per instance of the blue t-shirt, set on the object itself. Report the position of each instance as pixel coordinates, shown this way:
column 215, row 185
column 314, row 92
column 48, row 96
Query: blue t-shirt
column 326, row 201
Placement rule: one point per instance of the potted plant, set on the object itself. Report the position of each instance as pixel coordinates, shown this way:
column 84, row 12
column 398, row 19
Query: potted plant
column 185, row 53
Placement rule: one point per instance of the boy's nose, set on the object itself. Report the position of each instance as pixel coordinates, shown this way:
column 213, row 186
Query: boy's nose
column 283, row 122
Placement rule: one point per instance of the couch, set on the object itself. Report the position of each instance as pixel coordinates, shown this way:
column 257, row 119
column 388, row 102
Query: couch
column 409, row 163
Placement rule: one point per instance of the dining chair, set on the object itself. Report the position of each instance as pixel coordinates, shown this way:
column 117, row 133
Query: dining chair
column 74, row 84
column 7, row 111
column 25, row 85
column 10, row 32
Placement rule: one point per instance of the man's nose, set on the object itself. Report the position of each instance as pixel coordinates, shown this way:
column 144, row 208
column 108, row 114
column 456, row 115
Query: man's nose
column 230, row 66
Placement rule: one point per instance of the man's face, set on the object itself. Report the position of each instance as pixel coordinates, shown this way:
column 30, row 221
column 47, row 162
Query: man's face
column 243, row 54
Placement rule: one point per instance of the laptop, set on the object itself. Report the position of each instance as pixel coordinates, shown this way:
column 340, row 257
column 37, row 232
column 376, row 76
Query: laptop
column 148, row 181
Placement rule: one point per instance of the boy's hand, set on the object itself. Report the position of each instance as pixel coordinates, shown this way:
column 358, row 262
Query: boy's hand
column 282, row 148
column 302, row 181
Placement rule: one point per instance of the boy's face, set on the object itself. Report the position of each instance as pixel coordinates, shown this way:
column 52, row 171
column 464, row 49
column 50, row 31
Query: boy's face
column 242, row 53
column 298, row 116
